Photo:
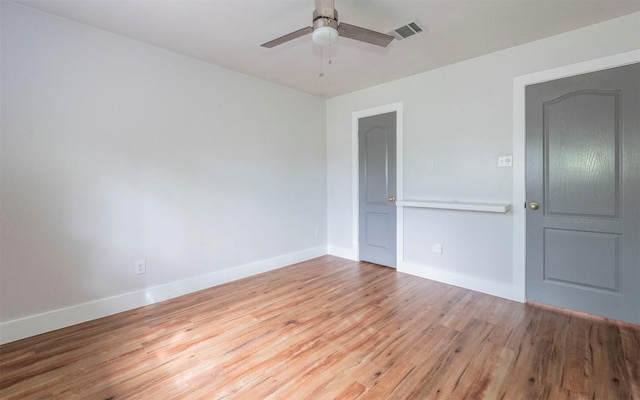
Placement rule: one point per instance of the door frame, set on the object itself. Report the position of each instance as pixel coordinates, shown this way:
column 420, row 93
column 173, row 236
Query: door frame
column 355, row 174
column 519, row 148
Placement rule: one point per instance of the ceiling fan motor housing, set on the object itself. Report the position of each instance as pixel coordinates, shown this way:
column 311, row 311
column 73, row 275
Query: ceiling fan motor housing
column 326, row 19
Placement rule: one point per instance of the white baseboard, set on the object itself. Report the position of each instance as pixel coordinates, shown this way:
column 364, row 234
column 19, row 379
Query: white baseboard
column 341, row 252
column 36, row 324
column 504, row 290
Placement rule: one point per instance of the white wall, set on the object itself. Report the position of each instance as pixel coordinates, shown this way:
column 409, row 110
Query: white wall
column 457, row 120
column 114, row 151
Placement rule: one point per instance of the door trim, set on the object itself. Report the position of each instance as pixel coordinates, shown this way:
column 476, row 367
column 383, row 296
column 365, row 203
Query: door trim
column 519, row 149
column 355, row 173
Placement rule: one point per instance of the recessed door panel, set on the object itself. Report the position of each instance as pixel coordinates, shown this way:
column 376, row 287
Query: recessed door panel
column 582, row 158
column 377, row 166
column 377, row 229
column 583, row 259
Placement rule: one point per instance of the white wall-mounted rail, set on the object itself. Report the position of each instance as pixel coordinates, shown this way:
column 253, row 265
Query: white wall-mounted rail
column 456, row 205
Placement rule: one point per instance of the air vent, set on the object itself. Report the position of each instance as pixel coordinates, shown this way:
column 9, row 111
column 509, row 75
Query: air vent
column 408, row 30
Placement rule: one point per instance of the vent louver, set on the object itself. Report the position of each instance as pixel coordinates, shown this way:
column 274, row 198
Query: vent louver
column 408, row 30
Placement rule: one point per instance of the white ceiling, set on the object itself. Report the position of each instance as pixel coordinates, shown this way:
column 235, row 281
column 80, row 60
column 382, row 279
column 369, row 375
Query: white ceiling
column 228, row 33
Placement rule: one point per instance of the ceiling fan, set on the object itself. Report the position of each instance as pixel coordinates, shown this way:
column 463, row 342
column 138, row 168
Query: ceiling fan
column 326, row 28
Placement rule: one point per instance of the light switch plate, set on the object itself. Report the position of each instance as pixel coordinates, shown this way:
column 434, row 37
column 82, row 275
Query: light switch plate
column 505, row 161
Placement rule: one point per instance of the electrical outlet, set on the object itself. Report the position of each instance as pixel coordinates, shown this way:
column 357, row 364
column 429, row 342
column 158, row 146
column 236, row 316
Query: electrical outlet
column 437, row 249
column 141, row 267
column 505, row 161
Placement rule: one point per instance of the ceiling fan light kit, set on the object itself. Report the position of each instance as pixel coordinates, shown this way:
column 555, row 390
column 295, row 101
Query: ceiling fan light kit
column 325, row 35
column 326, row 29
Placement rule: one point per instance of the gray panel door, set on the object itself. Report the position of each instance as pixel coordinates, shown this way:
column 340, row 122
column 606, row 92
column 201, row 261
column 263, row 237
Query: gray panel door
column 377, row 156
column 583, row 172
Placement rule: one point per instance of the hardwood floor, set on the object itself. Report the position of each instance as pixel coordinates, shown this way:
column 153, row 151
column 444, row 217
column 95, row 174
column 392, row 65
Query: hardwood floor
column 324, row 329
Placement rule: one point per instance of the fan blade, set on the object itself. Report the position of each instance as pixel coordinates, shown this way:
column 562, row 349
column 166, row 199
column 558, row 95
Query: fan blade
column 288, row 37
column 364, row 35
column 325, row 8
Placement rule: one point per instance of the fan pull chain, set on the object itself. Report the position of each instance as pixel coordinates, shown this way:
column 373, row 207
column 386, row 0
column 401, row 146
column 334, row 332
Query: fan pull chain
column 329, row 61
column 321, row 59
column 329, row 68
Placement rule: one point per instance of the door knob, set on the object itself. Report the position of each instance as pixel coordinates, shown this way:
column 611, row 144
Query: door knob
column 533, row 205
column 392, row 199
